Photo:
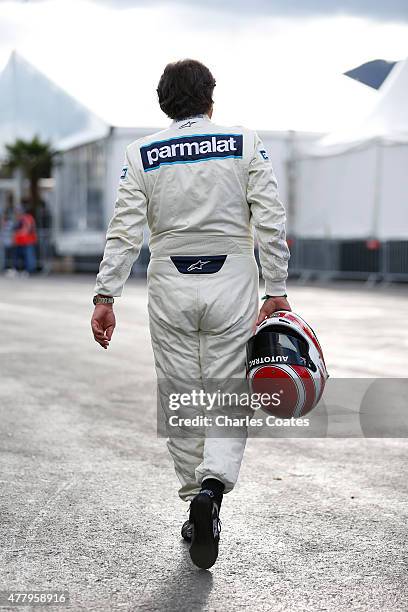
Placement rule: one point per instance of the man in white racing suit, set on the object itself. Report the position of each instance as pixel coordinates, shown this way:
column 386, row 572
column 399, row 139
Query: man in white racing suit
column 201, row 188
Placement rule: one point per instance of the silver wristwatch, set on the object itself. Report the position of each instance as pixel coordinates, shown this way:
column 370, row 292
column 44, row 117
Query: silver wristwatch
column 102, row 299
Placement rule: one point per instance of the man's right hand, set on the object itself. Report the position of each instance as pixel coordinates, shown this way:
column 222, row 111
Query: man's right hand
column 103, row 323
column 270, row 306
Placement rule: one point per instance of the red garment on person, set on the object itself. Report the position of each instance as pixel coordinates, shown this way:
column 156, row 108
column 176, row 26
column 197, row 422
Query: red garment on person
column 26, row 233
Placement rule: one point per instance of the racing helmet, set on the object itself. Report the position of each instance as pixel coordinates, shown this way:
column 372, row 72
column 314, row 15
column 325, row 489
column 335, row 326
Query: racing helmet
column 284, row 356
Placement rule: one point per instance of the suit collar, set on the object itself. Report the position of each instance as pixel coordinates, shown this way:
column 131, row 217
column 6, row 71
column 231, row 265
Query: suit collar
column 190, row 121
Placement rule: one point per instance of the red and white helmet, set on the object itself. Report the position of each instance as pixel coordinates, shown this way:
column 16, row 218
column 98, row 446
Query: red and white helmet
column 285, row 356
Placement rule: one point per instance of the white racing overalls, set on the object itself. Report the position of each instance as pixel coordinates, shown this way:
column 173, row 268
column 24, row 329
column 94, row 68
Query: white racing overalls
column 201, row 188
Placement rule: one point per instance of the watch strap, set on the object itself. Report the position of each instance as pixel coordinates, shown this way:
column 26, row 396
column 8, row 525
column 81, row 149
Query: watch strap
column 266, row 297
column 103, row 299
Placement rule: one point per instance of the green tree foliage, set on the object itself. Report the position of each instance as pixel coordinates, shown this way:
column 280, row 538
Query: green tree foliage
column 35, row 160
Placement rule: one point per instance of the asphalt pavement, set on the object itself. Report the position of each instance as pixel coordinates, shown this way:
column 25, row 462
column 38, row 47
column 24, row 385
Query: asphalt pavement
column 88, row 500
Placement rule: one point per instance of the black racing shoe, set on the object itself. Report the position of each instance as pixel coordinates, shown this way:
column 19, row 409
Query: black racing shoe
column 206, row 529
column 187, row 531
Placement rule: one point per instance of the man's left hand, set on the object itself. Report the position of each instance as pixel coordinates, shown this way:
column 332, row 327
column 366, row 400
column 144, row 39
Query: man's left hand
column 103, row 323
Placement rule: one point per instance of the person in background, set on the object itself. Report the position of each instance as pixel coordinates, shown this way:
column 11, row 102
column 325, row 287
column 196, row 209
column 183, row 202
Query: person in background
column 43, row 220
column 25, row 239
column 7, row 238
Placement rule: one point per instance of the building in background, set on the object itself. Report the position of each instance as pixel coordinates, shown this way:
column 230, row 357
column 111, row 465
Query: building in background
column 32, row 105
column 351, row 202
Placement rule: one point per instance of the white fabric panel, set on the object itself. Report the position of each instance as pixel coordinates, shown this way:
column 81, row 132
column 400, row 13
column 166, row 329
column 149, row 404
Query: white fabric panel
column 277, row 149
column 31, row 104
column 310, row 206
column 335, row 195
column 387, row 119
column 393, row 212
column 280, row 146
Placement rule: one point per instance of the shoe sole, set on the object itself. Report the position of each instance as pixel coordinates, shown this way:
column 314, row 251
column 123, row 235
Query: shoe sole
column 204, row 548
column 186, row 538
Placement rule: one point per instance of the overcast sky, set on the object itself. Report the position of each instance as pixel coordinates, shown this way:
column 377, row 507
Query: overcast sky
column 385, row 10
column 277, row 63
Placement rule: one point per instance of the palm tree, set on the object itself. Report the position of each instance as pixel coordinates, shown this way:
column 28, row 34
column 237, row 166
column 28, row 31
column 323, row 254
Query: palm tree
column 35, row 160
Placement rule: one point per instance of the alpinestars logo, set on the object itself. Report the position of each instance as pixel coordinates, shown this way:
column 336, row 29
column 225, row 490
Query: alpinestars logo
column 190, row 149
column 198, row 265
column 188, row 124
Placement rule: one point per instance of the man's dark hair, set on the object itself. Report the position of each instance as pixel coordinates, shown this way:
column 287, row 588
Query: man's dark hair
column 185, row 89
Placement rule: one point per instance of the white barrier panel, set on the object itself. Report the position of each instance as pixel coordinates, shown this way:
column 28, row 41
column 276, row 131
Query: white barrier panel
column 393, row 210
column 335, row 196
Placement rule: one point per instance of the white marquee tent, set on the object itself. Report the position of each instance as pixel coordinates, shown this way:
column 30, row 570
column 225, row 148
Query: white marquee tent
column 32, row 105
column 354, row 183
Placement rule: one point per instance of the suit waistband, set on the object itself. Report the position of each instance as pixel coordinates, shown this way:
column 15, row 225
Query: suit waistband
column 196, row 244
